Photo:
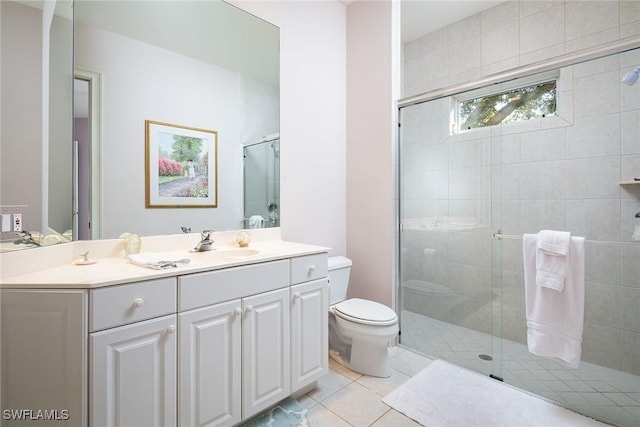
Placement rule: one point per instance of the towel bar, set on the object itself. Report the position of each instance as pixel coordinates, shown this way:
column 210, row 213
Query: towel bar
column 499, row 236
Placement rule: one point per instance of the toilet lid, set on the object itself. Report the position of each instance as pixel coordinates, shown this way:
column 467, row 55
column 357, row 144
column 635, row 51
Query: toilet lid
column 365, row 312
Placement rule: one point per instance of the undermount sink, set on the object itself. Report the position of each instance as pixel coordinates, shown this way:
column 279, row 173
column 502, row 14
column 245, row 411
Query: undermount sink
column 239, row 253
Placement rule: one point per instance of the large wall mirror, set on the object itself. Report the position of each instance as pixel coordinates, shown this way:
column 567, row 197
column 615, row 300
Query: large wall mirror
column 199, row 64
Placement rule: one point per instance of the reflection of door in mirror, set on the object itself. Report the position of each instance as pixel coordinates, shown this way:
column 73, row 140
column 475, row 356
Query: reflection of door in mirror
column 81, row 134
column 262, row 183
column 86, row 133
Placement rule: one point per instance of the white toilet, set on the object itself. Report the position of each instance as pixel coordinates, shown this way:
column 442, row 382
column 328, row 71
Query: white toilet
column 359, row 330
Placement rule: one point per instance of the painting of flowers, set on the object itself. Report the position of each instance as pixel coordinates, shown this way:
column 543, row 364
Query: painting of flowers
column 181, row 166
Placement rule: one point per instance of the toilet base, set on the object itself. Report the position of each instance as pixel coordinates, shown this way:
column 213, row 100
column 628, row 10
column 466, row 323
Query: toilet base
column 366, row 354
column 370, row 358
column 366, row 358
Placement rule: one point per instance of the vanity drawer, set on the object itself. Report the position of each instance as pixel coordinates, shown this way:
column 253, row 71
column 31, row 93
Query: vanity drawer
column 310, row 267
column 119, row 305
column 202, row 289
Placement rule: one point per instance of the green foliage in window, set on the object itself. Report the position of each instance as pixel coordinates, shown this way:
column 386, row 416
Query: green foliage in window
column 516, row 105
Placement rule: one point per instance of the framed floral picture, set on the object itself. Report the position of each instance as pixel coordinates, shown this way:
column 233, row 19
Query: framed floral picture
column 181, row 166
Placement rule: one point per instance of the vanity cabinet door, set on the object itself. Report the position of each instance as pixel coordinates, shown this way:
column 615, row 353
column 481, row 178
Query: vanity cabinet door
column 309, row 332
column 265, row 350
column 210, row 362
column 44, row 356
column 133, row 374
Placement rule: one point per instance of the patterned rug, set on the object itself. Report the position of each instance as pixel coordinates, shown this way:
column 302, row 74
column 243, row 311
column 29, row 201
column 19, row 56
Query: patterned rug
column 288, row 413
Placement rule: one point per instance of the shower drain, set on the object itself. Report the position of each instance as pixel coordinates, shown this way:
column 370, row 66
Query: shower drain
column 485, row 357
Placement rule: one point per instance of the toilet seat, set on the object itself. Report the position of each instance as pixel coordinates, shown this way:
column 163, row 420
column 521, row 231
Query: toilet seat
column 365, row 312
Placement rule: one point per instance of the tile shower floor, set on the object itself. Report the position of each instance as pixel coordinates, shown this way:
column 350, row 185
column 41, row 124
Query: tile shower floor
column 601, row 392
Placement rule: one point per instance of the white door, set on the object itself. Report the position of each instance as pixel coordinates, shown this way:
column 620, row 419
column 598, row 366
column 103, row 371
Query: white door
column 210, row 366
column 309, row 332
column 133, row 374
column 265, row 350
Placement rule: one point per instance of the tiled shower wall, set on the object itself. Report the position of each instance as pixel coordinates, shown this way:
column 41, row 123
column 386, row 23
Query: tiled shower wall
column 559, row 173
column 512, row 34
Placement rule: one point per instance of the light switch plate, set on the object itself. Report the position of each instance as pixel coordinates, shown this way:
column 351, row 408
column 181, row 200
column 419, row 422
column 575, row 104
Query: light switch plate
column 10, row 229
column 6, row 222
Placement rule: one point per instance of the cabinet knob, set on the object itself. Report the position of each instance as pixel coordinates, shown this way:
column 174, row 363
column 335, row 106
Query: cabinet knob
column 138, row 302
column 296, row 295
column 249, row 308
column 312, row 268
column 171, row 329
column 237, row 311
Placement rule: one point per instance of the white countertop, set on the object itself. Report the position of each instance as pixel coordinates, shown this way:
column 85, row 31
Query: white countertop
column 114, row 270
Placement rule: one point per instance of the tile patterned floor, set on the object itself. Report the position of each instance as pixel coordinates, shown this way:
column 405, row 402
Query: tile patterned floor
column 345, row 398
column 607, row 394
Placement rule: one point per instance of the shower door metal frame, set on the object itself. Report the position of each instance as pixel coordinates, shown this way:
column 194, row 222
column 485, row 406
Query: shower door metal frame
column 574, row 58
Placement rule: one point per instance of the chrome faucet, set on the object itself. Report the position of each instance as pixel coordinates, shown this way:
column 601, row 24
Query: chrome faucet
column 205, row 243
column 26, row 239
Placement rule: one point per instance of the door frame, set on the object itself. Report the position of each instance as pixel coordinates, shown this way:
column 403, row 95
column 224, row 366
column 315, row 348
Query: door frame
column 94, row 79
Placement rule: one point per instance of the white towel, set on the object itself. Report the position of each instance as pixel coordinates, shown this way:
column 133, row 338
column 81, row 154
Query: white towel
column 554, row 242
column 552, row 258
column 256, row 221
column 157, row 261
column 555, row 320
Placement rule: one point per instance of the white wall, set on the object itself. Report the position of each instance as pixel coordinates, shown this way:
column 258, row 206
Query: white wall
column 169, row 88
column 21, row 148
column 312, row 118
column 370, row 150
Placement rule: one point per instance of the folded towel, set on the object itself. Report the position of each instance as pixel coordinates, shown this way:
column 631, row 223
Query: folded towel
column 552, row 250
column 555, row 320
column 554, row 242
column 157, row 261
column 256, row 221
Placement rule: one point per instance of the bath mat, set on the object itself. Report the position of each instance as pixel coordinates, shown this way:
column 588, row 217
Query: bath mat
column 288, row 413
column 447, row 395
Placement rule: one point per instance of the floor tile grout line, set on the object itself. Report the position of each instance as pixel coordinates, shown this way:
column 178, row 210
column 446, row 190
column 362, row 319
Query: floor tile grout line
column 353, row 377
column 378, row 419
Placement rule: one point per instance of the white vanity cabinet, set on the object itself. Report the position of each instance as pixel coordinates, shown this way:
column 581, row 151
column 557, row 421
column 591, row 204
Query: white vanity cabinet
column 210, row 365
column 234, row 355
column 44, row 357
column 265, row 351
column 210, row 347
column 309, row 320
column 133, row 374
column 132, row 365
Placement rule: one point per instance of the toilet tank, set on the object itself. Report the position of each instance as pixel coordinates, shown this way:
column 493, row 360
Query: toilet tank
column 339, row 269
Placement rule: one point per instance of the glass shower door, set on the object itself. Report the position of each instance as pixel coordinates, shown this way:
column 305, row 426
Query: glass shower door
column 262, row 184
column 449, row 282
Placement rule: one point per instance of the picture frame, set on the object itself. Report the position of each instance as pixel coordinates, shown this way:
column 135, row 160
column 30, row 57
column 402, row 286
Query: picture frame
column 181, row 166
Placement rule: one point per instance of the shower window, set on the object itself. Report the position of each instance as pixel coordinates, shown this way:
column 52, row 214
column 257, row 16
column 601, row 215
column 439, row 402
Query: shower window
column 514, row 105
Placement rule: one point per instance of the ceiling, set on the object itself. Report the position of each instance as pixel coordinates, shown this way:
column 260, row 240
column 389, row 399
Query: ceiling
column 421, row 17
